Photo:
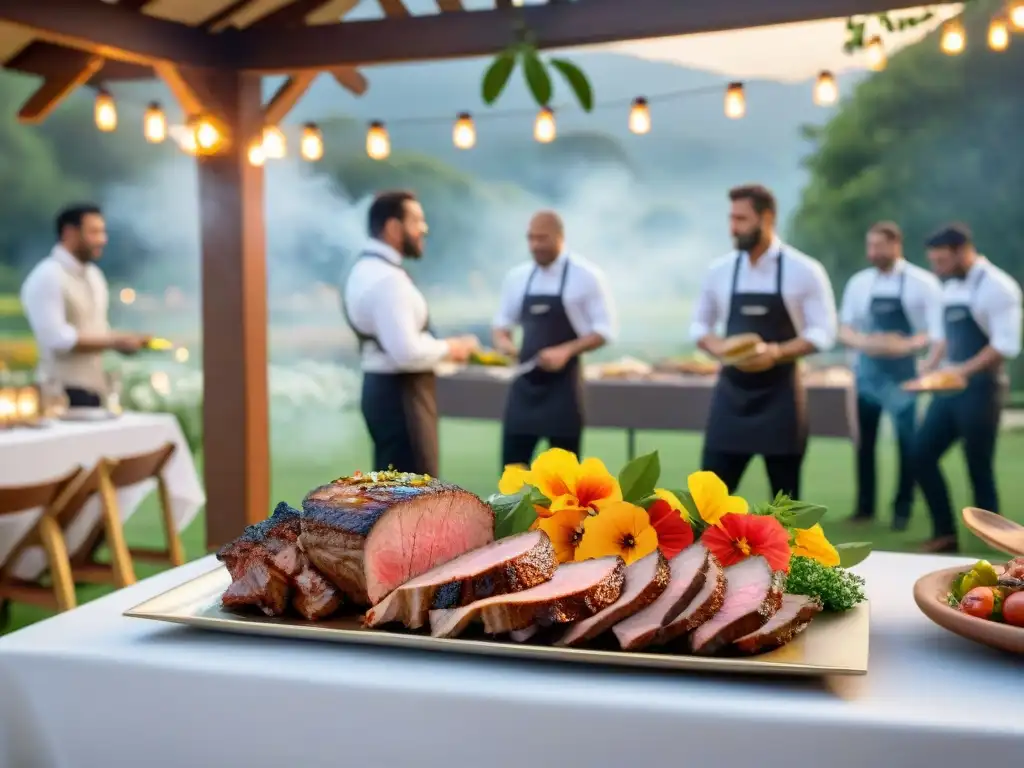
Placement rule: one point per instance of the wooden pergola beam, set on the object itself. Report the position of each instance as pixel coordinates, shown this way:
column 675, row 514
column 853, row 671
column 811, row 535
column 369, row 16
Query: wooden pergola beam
column 351, row 79
column 57, row 87
column 287, row 96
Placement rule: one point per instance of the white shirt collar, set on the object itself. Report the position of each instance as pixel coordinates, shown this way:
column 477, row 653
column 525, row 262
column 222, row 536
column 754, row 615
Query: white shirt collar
column 379, row 247
column 771, row 255
column 559, row 262
column 67, row 260
column 897, row 268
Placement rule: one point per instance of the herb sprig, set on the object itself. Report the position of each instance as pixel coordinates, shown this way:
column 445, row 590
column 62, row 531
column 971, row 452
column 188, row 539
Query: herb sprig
column 837, row 588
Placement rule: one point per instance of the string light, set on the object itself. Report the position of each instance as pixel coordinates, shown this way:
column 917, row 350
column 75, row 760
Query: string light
column 875, row 50
column 187, row 141
column 312, row 145
column 257, row 157
column 154, row 123
column 544, row 128
column 998, row 34
column 274, row 143
column 105, row 111
column 640, row 116
column 826, row 90
column 207, row 137
column 954, row 38
column 378, row 144
column 1015, row 12
column 464, row 132
column 735, row 101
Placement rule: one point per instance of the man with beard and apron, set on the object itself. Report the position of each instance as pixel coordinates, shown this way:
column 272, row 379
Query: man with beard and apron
column 784, row 296
column 885, row 316
column 389, row 317
column 563, row 305
column 981, row 330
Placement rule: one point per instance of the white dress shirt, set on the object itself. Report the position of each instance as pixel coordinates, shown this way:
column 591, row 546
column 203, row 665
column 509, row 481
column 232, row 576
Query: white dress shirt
column 43, row 300
column 994, row 298
column 921, row 298
column 588, row 303
column 383, row 302
column 806, row 292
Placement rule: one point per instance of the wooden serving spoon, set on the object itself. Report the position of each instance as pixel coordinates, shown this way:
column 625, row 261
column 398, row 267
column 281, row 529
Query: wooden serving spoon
column 995, row 530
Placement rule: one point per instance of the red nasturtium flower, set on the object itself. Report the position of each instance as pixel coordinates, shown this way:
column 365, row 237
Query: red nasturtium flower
column 674, row 533
column 737, row 537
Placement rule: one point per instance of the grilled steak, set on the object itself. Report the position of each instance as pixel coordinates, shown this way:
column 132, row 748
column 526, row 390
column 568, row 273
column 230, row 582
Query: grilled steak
column 507, row 565
column 789, row 621
column 701, row 609
column 577, row 590
column 646, row 580
column 314, row 596
column 689, row 569
column 370, row 533
column 753, row 594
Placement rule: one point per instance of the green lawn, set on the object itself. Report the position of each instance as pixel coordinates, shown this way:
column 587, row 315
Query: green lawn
column 470, row 457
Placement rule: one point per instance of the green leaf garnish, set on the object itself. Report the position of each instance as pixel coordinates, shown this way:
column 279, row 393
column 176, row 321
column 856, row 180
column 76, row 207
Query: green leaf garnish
column 638, row 478
column 853, row 553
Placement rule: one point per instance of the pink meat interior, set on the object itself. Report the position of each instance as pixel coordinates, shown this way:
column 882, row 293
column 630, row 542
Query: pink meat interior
column 746, row 587
column 710, row 585
column 791, row 606
column 479, row 560
column 639, row 576
column 684, row 568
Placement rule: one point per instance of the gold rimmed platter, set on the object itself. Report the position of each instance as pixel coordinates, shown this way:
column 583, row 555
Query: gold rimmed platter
column 833, row 644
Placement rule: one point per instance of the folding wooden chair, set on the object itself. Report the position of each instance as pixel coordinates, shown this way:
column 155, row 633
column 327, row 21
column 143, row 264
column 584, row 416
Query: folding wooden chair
column 112, row 474
column 52, row 496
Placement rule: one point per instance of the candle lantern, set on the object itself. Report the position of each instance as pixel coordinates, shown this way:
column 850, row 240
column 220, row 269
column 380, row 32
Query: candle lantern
column 27, row 404
column 8, row 407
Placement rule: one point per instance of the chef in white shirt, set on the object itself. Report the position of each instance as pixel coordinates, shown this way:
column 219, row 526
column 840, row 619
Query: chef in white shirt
column 981, row 329
column 885, row 315
column 769, row 288
column 398, row 352
column 562, row 303
column 66, row 298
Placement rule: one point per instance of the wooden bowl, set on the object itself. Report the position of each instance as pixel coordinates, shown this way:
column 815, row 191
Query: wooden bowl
column 930, row 595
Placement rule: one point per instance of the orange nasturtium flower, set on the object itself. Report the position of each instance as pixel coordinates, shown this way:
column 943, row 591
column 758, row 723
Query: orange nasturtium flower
column 737, row 537
column 712, row 499
column 567, row 483
column 811, row 542
column 565, row 529
column 620, row 528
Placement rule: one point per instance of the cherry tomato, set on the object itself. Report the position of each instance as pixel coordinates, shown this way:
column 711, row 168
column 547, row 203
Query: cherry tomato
column 980, row 602
column 1013, row 609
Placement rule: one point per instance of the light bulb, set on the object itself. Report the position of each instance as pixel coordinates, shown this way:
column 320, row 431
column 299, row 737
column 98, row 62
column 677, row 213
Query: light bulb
column 188, row 143
column 954, row 38
column 274, row 143
column 544, row 128
column 257, row 156
column 207, row 137
column 464, row 132
column 826, row 90
column 876, row 54
column 105, row 111
column 312, row 145
column 378, row 145
column 640, row 116
column 154, row 124
column 1015, row 12
column 735, row 101
column 998, row 34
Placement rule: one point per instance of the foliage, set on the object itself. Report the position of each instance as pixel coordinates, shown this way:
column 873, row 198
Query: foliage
column 837, row 588
column 857, row 26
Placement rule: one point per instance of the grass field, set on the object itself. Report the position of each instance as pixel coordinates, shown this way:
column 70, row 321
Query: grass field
column 470, row 457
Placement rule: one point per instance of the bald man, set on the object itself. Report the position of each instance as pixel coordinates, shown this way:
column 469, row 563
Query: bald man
column 562, row 304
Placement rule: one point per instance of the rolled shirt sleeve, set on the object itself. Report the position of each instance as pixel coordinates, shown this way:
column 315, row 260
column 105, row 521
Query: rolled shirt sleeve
column 819, row 310
column 1005, row 318
column 599, row 308
column 706, row 312
column 930, row 318
column 42, row 299
column 404, row 341
column 848, row 306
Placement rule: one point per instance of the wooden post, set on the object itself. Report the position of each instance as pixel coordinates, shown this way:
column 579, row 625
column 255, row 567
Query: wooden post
column 236, row 449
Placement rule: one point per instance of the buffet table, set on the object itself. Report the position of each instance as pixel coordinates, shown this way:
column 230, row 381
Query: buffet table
column 92, row 688
column 676, row 402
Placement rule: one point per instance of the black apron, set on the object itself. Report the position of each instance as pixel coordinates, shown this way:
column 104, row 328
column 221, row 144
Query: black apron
column 400, row 409
column 545, row 403
column 758, row 413
column 879, row 379
column 964, row 339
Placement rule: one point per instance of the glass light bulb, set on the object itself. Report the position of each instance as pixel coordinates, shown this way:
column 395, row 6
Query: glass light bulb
column 826, row 90
column 735, row 101
column 312, row 145
column 640, row 116
column 464, row 132
column 154, row 124
column 378, row 144
column 544, row 128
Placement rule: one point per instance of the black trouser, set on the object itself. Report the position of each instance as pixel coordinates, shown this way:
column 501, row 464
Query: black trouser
column 869, row 416
column 783, row 470
column 973, row 417
column 82, row 398
column 519, row 449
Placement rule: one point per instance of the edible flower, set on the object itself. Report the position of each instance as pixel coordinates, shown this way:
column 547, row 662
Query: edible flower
column 811, row 542
column 566, row 482
column 673, row 501
column 712, row 499
column 674, row 532
column 565, row 530
column 738, row 536
column 513, row 479
column 621, row 529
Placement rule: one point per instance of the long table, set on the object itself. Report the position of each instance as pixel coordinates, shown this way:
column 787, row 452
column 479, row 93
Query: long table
column 92, row 688
column 665, row 402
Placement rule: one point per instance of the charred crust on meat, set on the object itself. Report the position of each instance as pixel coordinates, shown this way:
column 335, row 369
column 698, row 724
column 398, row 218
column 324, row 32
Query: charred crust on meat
column 283, row 523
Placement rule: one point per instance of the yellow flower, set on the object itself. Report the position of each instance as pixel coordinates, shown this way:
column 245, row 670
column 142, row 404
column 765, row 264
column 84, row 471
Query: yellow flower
column 712, row 499
column 811, row 542
column 563, row 528
column 674, row 502
column 620, row 528
column 513, row 479
column 567, row 483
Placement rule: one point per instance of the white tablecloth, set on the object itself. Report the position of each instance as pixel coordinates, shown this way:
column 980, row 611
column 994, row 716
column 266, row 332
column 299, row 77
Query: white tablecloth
column 92, row 688
column 34, row 455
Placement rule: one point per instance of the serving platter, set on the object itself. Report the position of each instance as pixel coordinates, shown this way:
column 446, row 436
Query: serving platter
column 833, row 644
column 930, row 593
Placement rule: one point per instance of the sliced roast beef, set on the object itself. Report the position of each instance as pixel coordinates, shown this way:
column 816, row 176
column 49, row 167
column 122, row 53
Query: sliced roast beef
column 753, row 594
column 701, row 608
column 577, row 590
column 507, row 565
column 689, row 569
column 646, row 580
column 314, row 596
column 370, row 533
column 789, row 621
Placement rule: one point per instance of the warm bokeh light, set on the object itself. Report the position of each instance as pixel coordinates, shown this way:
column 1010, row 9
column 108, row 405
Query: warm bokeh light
column 378, row 144
column 127, row 296
column 257, row 156
column 105, row 111
column 1015, row 12
column 875, row 50
column 154, row 123
column 274, row 144
column 954, row 38
column 998, row 34
column 160, row 382
column 464, row 132
column 208, row 138
column 544, row 128
column 640, row 116
column 311, row 147
column 735, row 101
column 826, row 90
column 181, row 355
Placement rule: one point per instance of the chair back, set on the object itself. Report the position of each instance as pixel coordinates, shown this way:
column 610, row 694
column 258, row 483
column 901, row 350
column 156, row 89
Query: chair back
column 22, row 498
column 125, row 471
